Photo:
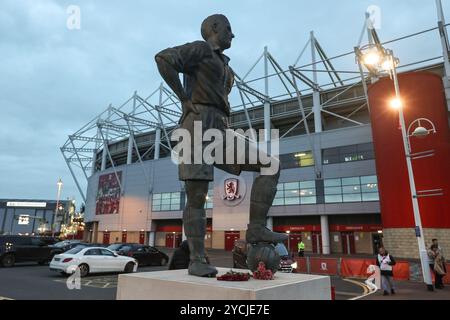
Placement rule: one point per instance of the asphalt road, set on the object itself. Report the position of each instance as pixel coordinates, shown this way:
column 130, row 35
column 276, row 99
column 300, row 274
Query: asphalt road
column 34, row 282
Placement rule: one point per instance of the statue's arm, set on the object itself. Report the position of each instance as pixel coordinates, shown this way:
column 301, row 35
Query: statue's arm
column 230, row 81
column 170, row 75
column 182, row 59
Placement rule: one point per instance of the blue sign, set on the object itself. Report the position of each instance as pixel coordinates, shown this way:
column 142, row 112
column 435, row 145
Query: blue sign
column 417, row 232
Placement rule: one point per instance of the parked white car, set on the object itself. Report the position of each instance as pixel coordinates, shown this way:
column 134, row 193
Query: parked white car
column 92, row 260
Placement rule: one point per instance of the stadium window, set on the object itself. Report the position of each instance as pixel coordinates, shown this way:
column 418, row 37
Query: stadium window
column 357, row 152
column 333, row 190
column 279, row 196
column 352, row 189
column 369, row 188
column 167, row 201
column 330, row 156
column 348, row 154
column 297, row 159
column 209, row 200
column 295, row 193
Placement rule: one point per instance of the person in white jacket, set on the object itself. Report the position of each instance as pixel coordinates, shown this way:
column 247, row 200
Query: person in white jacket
column 386, row 262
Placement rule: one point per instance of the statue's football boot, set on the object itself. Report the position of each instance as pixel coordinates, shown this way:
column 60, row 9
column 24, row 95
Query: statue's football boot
column 201, row 268
column 257, row 233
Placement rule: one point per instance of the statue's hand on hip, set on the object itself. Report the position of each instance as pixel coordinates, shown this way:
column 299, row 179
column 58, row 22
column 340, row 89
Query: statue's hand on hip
column 188, row 107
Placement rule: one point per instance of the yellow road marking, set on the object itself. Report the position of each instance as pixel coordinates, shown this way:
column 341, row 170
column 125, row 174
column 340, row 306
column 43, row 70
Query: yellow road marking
column 367, row 291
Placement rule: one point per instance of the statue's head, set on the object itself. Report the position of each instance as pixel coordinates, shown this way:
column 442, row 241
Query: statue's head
column 216, row 29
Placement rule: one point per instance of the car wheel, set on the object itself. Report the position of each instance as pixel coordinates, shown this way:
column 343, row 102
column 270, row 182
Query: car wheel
column 129, row 267
column 8, row 260
column 84, row 270
column 163, row 262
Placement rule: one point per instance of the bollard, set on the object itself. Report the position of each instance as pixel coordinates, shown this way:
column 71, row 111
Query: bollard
column 333, row 293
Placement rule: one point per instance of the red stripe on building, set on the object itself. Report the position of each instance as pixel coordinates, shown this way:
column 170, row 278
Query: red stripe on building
column 360, row 228
column 423, row 97
column 333, row 227
column 168, row 229
column 303, row 228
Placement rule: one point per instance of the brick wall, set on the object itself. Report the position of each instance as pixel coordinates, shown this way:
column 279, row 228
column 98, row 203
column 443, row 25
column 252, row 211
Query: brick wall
column 402, row 243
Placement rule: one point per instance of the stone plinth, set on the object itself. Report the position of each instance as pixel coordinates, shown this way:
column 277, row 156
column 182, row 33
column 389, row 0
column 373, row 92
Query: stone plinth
column 178, row 285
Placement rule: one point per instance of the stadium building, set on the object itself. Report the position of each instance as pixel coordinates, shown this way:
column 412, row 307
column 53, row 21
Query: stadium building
column 344, row 184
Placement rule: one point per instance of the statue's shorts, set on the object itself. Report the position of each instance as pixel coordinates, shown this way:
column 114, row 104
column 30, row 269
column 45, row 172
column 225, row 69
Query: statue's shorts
column 211, row 117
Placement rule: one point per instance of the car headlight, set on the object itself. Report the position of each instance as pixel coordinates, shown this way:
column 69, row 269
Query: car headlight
column 294, row 265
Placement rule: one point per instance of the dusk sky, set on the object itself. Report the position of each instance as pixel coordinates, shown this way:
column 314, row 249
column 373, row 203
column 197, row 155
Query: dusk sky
column 54, row 80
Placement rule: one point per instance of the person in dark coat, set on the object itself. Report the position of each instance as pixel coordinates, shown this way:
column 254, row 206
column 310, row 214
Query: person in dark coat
column 180, row 257
column 438, row 265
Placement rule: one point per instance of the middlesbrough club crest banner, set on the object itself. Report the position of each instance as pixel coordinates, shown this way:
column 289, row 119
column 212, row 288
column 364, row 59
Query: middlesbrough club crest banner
column 108, row 193
column 231, row 188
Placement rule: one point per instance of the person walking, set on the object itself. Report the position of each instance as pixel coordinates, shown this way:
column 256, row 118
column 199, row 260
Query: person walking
column 386, row 262
column 439, row 267
column 301, row 248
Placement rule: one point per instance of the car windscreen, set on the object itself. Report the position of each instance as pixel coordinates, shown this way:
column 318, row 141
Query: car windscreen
column 115, row 246
column 75, row 250
column 126, row 248
column 281, row 250
column 61, row 244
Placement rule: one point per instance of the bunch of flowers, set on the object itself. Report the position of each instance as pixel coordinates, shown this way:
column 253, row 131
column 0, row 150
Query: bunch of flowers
column 234, row 276
column 262, row 273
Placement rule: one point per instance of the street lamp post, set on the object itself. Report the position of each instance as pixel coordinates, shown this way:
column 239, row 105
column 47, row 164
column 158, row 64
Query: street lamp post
column 418, row 221
column 59, row 184
column 380, row 57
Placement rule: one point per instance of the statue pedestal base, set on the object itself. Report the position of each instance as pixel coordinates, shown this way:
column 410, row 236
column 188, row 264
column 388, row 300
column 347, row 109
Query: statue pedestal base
column 178, row 285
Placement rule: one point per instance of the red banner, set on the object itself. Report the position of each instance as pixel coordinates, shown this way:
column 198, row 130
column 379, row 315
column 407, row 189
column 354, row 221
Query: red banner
column 302, row 265
column 328, row 266
column 357, row 268
column 446, row 279
column 401, row 271
column 108, row 193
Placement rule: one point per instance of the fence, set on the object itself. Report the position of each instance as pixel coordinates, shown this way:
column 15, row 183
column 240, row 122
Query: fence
column 357, row 268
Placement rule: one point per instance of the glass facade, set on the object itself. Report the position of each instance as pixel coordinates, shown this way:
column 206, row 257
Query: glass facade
column 297, row 160
column 295, row 193
column 352, row 189
column 357, row 152
column 175, row 201
column 168, row 201
column 209, row 200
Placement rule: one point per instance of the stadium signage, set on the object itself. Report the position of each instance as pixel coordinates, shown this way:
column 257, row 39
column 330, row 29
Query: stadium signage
column 24, row 219
column 27, row 204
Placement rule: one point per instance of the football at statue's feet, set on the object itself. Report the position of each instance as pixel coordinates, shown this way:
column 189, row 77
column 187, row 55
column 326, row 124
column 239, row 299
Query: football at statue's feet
column 263, row 252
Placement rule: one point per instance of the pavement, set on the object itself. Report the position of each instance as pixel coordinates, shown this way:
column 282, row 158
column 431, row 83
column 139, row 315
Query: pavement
column 408, row 290
column 29, row 281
